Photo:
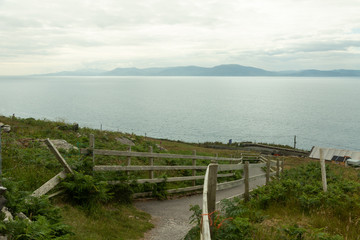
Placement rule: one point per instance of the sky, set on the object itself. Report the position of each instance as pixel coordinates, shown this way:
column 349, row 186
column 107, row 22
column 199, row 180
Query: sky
column 43, row 36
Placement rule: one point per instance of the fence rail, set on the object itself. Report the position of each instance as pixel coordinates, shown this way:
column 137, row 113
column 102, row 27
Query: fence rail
column 227, row 169
column 209, row 203
column 154, row 155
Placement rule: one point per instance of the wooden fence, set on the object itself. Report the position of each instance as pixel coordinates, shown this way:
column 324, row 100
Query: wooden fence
column 227, row 169
column 236, row 164
column 209, row 203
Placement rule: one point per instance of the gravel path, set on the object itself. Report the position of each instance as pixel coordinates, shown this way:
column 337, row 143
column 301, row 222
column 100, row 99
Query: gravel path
column 171, row 217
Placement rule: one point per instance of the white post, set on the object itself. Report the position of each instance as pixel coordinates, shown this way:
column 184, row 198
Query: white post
column 323, row 170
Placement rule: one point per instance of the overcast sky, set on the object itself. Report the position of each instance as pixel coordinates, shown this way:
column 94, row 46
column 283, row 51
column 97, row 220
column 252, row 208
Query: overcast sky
column 41, row 36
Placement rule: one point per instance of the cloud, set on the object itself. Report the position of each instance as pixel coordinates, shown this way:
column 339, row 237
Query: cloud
column 64, row 35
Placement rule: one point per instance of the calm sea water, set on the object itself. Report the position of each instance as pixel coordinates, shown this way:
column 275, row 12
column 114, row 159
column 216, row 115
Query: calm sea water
column 319, row 111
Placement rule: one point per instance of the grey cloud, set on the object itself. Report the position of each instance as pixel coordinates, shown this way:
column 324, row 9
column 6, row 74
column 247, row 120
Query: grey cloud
column 316, row 46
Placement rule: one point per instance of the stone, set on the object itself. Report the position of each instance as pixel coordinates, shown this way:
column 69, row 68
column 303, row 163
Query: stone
column 23, row 216
column 6, row 128
column 8, row 215
column 2, row 190
column 60, row 144
column 161, row 148
column 2, row 201
column 125, row 141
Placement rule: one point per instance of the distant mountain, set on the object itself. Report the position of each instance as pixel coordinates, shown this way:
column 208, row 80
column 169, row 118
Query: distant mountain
column 83, row 72
column 221, row 70
column 331, row 73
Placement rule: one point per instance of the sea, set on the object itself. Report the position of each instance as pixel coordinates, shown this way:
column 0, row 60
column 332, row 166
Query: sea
column 319, row 111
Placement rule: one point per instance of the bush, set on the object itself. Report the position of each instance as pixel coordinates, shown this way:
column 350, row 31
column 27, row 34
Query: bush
column 85, row 191
column 46, row 221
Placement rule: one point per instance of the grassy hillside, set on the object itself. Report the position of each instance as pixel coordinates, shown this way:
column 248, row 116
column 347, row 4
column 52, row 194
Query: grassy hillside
column 107, row 212
column 28, row 163
column 294, row 207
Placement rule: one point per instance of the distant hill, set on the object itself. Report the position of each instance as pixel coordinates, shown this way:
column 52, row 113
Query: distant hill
column 221, row 70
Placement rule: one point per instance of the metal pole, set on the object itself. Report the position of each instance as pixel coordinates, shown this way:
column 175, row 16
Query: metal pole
column 295, row 142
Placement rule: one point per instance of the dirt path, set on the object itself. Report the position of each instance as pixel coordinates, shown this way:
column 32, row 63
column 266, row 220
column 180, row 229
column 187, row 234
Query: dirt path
column 171, row 217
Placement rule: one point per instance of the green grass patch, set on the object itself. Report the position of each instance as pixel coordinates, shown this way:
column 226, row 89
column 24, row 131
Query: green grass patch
column 111, row 221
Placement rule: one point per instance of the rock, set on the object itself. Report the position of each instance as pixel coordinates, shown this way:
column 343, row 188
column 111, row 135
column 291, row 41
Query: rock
column 3, row 237
column 1, row 124
column 125, row 141
column 6, row 128
column 60, row 144
column 2, row 190
column 23, row 216
column 161, row 148
column 2, row 201
column 8, row 215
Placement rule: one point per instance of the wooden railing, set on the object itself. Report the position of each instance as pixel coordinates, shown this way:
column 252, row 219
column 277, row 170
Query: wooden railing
column 209, row 198
column 209, row 204
column 235, row 165
column 227, row 168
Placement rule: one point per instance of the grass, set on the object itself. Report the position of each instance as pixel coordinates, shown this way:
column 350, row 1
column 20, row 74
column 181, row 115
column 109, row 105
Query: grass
column 295, row 207
column 111, row 221
column 26, row 161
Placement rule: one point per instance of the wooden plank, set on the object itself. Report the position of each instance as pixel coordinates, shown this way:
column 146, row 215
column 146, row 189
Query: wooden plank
column 145, row 168
column 257, row 165
column 151, row 163
column 267, row 172
column 154, row 155
column 56, row 193
column 171, row 179
column 129, row 161
column 277, row 168
column 256, row 177
column 205, row 228
column 273, row 163
column 219, row 203
column 235, row 183
column 185, row 189
column 212, row 183
column 246, row 181
column 228, row 167
column 46, row 187
column 194, row 164
column 231, row 184
column 323, row 170
column 221, row 167
column 92, row 146
column 58, row 156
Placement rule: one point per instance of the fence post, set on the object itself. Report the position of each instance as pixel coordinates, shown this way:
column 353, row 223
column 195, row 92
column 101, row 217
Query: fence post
column 151, row 163
column 212, row 182
column 268, row 171
column 128, row 161
column 92, row 146
column 194, row 164
column 0, row 156
column 323, row 170
column 282, row 165
column 277, row 168
column 246, row 181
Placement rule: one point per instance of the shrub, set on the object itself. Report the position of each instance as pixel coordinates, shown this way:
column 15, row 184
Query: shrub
column 85, row 191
